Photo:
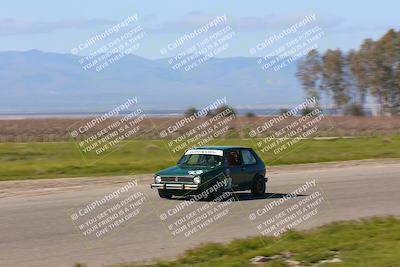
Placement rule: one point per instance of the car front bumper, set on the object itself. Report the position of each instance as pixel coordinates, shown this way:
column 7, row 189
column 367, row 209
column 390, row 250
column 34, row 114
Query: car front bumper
column 175, row 186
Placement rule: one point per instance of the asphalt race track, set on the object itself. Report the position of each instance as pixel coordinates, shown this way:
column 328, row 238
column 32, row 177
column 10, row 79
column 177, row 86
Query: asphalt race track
column 43, row 223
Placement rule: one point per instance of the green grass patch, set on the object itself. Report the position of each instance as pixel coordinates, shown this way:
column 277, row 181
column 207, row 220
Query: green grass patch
column 63, row 159
column 366, row 243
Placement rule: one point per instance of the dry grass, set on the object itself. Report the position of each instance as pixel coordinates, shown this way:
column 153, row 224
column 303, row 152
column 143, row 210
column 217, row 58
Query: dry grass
column 57, row 129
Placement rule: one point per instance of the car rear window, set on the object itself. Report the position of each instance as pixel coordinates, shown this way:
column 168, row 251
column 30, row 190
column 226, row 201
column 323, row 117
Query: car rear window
column 248, row 157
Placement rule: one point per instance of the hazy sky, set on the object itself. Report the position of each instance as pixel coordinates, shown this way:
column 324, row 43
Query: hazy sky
column 58, row 26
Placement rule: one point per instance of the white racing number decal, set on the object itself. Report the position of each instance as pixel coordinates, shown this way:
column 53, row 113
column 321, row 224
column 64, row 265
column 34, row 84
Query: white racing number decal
column 205, row 151
column 195, row 172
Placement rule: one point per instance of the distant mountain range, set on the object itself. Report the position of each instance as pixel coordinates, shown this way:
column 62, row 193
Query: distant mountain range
column 35, row 81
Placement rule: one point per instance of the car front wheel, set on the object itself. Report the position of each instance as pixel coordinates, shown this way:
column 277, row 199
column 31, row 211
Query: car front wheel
column 164, row 194
column 258, row 188
column 214, row 195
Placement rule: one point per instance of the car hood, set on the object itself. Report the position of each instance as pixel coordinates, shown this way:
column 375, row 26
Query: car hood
column 186, row 171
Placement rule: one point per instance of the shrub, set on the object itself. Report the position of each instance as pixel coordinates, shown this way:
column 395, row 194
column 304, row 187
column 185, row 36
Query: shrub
column 190, row 111
column 355, row 110
column 250, row 115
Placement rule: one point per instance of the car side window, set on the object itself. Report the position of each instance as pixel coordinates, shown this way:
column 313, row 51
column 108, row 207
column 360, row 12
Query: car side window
column 233, row 158
column 248, row 157
column 193, row 159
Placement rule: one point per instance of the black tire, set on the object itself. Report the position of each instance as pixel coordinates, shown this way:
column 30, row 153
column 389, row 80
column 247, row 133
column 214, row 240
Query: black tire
column 214, row 194
column 164, row 194
column 258, row 188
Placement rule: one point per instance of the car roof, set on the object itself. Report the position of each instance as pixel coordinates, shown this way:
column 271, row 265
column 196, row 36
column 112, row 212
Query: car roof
column 219, row 147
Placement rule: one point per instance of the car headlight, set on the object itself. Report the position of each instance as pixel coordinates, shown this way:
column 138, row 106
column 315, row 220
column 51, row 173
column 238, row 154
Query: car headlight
column 158, row 179
column 197, row 180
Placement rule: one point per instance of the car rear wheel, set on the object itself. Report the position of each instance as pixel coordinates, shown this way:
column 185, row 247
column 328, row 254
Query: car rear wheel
column 258, row 188
column 164, row 194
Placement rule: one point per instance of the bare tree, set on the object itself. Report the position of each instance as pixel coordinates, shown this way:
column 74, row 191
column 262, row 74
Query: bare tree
column 309, row 73
column 333, row 79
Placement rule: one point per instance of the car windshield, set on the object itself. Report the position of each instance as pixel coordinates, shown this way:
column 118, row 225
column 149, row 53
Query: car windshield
column 200, row 160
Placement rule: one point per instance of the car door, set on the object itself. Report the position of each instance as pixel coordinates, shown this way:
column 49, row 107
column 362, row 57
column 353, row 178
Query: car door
column 234, row 169
column 249, row 167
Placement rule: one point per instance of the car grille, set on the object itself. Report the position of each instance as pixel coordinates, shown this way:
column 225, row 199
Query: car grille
column 177, row 179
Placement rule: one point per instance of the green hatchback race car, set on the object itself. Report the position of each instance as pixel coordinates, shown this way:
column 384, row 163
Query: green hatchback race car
column 212, row 170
